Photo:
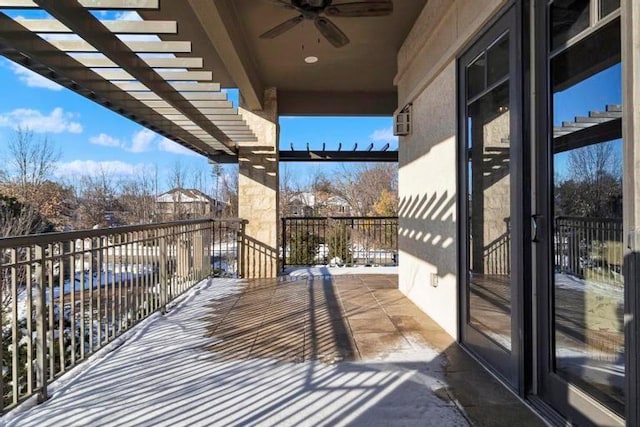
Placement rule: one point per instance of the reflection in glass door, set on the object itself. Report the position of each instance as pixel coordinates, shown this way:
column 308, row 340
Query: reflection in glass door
column 586, row 290
column 490, row 174
column 489, row 277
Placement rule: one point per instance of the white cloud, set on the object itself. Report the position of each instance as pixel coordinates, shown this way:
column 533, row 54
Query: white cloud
column 32, row 79
column 61, row 37
column 106, row 141
column 134, row 16
column 58, row 121
column 173, row 147
column 142, row 141
column 93, row 168
column 129, row 15
column 383, row 135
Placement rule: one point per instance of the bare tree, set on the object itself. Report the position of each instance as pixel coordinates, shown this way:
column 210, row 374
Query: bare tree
column 32, row 161
column 199, row 181
column 591, row 163
column 229, row 190
column 30, row 164
column 17, row 219
column 362, row 187
column 594, row 184
column 137, row 199
column 177, row 176
column 98, row 202
column 176, row 181
column 217, row 172
column 290, row 191
column 286, row 190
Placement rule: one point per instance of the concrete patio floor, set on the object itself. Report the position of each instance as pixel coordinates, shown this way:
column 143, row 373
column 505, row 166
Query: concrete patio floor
column 316, row 350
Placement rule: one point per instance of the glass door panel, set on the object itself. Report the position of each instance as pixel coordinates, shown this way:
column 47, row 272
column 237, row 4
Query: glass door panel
column 490, row 202
column 588, row 288
column 583, row 346
column 489, row 269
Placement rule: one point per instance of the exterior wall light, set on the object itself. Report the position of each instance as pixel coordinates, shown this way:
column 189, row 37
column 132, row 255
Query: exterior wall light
column 402, row 121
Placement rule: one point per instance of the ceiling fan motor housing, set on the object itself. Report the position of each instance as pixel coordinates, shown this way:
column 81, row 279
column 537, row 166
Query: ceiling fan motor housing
column 314, row 9
column 311, row 8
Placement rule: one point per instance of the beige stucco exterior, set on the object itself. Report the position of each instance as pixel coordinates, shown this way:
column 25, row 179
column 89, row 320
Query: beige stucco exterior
column 427, row 171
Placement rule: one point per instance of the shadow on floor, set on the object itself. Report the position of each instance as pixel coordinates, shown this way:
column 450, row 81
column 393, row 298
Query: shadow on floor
column 362, row 318
column 413, row 375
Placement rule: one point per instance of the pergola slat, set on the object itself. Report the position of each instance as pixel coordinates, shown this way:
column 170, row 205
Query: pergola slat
column 171, row 101
column 115, row 26
column 89, row 4
column 222, row 125
column 99, row 90
column 134, row 46
column 178, row 62
column 227, row 111
column 594, row 119
column 110, row 74
column 217, row 118
column 339, row 156
column 181, row 62
column 212, row 104
column 196, row 87
column 205, row 96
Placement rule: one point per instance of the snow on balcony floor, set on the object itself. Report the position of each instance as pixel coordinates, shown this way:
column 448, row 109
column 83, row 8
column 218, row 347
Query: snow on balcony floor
column 165, row 373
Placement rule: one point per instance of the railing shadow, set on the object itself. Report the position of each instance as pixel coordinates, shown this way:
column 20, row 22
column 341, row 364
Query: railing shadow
column 426, row 224
column 163, row 375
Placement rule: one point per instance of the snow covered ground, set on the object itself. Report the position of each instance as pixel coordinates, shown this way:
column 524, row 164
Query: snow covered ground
column 161, row 375
column 322, row 270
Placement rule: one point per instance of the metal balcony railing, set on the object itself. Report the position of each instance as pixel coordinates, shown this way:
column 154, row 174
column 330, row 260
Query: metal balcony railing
column 66, row 295
column 590, row 248
column 339, row 241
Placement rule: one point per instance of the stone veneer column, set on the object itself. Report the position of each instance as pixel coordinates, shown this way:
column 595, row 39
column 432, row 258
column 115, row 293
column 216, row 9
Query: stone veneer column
column 258, row 190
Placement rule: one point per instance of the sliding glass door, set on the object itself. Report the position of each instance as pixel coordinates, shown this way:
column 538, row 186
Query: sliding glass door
column 582, row 338
column 490, row 207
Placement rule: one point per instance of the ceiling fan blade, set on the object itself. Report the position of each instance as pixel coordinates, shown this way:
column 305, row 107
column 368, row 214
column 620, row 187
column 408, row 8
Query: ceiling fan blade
column 282, row 28
column 285, row 3
column 330, row 32
column 361, row 8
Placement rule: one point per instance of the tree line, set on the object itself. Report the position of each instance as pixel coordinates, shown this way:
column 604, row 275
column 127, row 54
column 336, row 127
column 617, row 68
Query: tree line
column 363, row 190
column 33, row 200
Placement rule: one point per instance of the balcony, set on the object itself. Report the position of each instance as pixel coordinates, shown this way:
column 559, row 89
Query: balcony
column 133, row 325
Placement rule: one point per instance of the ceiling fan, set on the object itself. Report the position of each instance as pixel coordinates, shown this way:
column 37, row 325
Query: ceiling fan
column 314, row 9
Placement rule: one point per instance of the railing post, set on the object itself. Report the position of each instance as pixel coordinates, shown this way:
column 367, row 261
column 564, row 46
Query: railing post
column 208, row 242
column 41, row 339
column 284, row 243
column 164, row 276
column 240, row 249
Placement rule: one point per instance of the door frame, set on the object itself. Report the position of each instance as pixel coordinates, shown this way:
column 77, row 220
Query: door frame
column 551, row 393
column 507, row 365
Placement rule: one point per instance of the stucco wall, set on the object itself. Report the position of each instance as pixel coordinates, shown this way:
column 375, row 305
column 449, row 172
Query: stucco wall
column 428, row 172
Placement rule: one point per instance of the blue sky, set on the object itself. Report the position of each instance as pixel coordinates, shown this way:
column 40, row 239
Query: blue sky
column 92, row 138
column 592, row 94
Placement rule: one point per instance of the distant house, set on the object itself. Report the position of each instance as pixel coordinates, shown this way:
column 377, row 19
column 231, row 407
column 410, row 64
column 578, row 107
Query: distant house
column 337, row 206
column 306, row 203
column 302, row 204
column 185, row 203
